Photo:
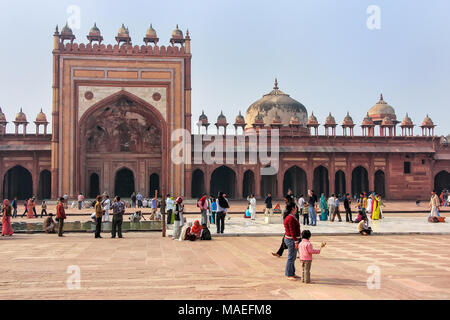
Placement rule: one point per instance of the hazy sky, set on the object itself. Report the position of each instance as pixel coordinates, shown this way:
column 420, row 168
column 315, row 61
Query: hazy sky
column 321, row 51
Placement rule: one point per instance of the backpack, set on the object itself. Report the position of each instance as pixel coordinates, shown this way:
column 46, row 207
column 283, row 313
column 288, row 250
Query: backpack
column 206, row 234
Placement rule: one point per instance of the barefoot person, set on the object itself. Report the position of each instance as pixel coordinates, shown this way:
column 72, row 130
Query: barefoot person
column 291, row 239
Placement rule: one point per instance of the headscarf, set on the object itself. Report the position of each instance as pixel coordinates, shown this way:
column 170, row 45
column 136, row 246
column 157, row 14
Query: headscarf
column 197, row 228
column 6, row 202
column 323, row 202
column 179, row 200
column 184, row 231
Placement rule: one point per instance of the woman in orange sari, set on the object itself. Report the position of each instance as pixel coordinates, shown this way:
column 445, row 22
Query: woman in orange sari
column 196, row 229
column 30, row 208
column 6, row 219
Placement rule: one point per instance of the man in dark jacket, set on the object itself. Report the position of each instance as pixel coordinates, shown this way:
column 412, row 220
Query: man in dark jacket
column 118, row 212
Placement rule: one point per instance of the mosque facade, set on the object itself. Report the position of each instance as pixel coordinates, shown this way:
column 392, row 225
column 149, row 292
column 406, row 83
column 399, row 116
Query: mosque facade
column 115, row 107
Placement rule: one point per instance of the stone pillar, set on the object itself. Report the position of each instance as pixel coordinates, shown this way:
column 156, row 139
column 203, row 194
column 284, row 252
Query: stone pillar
column 332, row 174
column 258, row 183
column 371, row 173
column 239, row 182
column 348, row 177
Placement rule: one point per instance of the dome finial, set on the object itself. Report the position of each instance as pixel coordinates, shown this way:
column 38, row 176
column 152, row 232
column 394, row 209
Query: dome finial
column 275, row 86
column 381, row 96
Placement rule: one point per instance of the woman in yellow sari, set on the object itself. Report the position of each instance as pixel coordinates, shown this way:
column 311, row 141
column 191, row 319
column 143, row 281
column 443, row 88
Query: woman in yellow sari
column 376, row 208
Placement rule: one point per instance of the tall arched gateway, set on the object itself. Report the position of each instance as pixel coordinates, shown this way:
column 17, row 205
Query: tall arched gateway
column 119, row 136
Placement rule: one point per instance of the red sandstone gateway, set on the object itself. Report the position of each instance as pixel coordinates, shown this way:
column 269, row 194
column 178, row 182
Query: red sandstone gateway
column 115, row 107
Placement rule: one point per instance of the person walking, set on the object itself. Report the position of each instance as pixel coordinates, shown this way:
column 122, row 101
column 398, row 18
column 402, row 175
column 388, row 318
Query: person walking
column 80, row 201
column 434, row 205
column 291, row 239
column 98, row 217
column 336, row 209
column 323, row 208
column 139, row 200
column 331, row 206
column 312, row 201
column 60, row 216
column 118, row 212
column 268, row 203
column 25, row 205
column 222, row 206
column 348, row 210
column 252, row 207
column 43, row 208
column 7, row 229
column 133, row 200
column 179, row 219
column 203, row 205
column 14, row 206
column 169, row 208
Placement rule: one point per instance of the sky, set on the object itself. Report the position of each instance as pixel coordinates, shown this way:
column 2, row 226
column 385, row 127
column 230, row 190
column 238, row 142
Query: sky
column 322, row 52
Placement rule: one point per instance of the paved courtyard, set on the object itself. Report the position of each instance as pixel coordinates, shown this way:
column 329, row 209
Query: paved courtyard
column 147, row 266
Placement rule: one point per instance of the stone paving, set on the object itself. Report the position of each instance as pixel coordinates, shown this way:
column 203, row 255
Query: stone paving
column 147, row 266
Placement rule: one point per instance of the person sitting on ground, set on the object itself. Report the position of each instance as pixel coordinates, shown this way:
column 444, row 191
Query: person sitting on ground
column 186, row 232
column 305, row 254
column 206, row 234
column 49, row 225
column 363, row 227
column 196, row 229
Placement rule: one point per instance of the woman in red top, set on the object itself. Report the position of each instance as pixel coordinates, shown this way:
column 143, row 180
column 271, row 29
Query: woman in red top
column 7, row 230
column 291, row 239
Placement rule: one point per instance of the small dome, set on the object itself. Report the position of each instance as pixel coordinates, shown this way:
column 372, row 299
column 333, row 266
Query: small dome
column 427, row 122
column 123, row 32
column 151, row 33
column 348, row 120
column 177, row 33
column 2, row 116
column 276, row 118
column 203, row 116
column 259, row 119
column 330, row 120
column 367, row 120
column 387, row 121
column 221, row 119
column 21, row 117
column 407, row 121
column 94, row 31
column 294, row 120
column 312, row 119
column 66, row 30
column 239, row 119
column 381, row 110
column 41, row 117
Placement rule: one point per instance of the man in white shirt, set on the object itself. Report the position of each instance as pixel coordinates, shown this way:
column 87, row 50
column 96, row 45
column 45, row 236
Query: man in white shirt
column 169, row 208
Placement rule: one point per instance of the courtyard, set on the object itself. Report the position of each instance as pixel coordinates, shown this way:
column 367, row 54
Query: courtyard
column 148, row 266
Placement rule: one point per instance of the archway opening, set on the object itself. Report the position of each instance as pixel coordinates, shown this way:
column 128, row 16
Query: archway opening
column 339, row 183
column 442, row 181
column 223, row 179
column 380, row 183
column 295, row 180
column 17, row 182
column 269, row 184
column 248, row 184
column 321, row 181
column 198, row 184
column 94, row 185
column 360, row 180
column 45, row 185
column 154, row 185
column 124, row 183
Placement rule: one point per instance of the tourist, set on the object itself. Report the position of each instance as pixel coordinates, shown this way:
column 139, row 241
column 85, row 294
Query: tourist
column 14, row 206
column 301, row 202
column 133, row 200
column 222, row 206
column 305, row 254
column 60, row 216
column 49, row 225
column 178, row 218
column 363, row 227
column 106, row 207
column 196, row 229
column 359, row 207
column 287, row 200
column 169, row 208
column 331, row 206
column 312, row 200
column 434, row 205
column 305, row 214
column 25, row 204
column 66, row 200
column 186, row 233
column 7, row 229
column 206, row 234
column 369, row 205
column 380, row 204
column 323, row 208
column 213, row 209
column 364, row 204
column 98, row 217
column 252, row 207
column 291, row 239
column 348, row 210
column 268, row 203
column 375, row 208
column 118, row 212
column 209, row 200
column 203, row 205
column 80, row 201
column 43, row 208
column 139, row 200
column 336, row 209
column 31, row 209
